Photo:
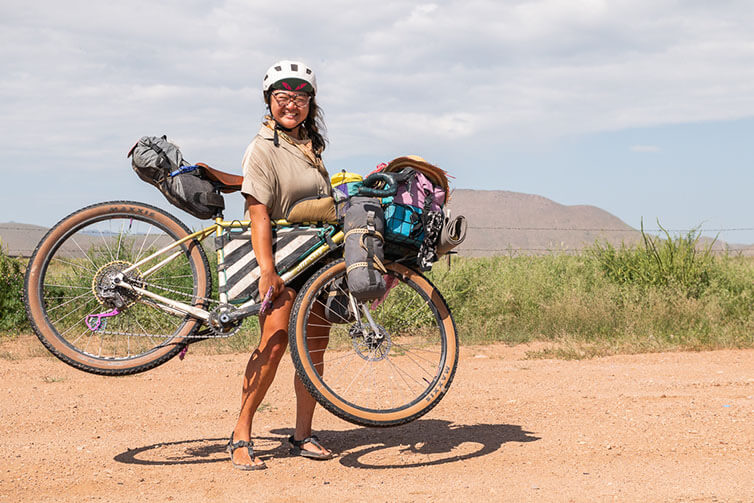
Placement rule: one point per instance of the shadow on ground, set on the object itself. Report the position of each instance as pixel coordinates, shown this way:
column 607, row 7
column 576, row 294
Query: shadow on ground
column 421, row 443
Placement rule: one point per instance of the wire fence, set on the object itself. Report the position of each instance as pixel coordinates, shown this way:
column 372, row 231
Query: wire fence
column 566, row 249
column 26, row 251
column 598, row 229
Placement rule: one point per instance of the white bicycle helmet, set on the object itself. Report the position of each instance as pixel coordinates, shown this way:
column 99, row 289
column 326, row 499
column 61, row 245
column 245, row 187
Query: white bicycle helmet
column 291, row 76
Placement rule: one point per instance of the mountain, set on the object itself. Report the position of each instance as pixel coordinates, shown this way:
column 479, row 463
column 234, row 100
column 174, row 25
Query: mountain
column 499, row 222
column 19, row 240
column 502, row 222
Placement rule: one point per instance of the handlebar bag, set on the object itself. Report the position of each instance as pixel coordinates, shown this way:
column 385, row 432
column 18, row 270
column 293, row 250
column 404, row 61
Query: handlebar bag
column 404, row 224
column 160, row 163
column 419, row 191
column 364, row 226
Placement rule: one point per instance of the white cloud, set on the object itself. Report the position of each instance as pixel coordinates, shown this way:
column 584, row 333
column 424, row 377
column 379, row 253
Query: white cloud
column 405, row 74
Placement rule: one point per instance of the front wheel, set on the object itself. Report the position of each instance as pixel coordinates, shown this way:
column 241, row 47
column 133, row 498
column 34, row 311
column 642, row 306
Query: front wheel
column 387, row 364
column 81, row 314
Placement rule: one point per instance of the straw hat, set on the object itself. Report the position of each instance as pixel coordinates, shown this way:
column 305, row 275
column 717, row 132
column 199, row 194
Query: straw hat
column 436, row 175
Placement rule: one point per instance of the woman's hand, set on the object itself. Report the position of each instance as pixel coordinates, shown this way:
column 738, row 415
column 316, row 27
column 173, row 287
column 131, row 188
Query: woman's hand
column 270, row 279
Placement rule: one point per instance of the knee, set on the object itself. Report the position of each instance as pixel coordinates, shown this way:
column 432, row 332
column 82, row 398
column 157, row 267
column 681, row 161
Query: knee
column 277, row 347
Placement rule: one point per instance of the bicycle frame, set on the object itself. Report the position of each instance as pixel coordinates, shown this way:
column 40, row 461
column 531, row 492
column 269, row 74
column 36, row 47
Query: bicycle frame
column 246, row 309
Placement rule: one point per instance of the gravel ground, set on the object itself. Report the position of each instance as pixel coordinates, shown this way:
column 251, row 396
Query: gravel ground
column 653, row 427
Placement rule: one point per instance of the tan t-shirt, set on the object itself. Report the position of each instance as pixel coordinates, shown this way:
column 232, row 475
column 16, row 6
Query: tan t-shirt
column 280, row 176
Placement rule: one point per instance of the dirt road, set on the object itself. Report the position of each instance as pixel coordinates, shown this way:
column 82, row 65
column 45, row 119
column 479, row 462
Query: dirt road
column 658, row 427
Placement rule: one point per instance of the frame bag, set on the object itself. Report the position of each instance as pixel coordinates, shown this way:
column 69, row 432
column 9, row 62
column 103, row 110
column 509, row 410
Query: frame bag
column 239, row 273
column 160, row 163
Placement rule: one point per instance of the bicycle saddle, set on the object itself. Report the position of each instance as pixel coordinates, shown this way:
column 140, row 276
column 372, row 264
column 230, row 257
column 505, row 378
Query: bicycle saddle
column 227, row 182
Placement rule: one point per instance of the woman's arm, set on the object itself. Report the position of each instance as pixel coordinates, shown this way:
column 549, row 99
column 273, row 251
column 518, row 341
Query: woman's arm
column 261, row 241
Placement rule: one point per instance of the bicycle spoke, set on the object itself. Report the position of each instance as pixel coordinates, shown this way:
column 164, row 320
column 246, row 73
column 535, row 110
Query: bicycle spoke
column 386, row 360
column 73, row 264
column 71, row 287
column 49, row 310
column 365, row 365
column 404, row 374
column 413, row 352
column 59, row 320
column 106, row 245
column 77, row 286
column 120, row 240
column 138, row 255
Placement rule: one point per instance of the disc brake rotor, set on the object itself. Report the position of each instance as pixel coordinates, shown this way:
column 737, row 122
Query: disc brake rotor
column 369, row 345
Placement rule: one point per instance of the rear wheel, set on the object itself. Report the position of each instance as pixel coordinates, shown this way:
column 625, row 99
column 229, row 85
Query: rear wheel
column 79, row 312
column 385, row 371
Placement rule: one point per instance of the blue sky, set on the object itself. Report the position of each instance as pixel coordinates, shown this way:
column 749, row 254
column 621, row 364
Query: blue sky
column 642, row 108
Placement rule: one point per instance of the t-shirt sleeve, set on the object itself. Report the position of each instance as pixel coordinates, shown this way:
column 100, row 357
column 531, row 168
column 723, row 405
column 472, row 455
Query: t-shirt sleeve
column 259, row 179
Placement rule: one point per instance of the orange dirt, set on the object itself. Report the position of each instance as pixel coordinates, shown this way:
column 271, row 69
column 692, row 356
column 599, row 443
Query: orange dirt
column 653, row 427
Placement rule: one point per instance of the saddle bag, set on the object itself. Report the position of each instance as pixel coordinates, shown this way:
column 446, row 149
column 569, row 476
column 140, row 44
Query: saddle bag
column 364, row 228
column 160, row 163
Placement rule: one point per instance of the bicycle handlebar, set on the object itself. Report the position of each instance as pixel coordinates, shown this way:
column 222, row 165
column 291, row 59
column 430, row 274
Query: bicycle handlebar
column 390, row 188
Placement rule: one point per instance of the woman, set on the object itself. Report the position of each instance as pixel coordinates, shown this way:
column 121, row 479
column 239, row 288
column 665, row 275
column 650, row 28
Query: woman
column 282, row 165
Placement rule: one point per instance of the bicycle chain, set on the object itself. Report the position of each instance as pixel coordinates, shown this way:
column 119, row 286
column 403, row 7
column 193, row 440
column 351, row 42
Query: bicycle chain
column 214, row 334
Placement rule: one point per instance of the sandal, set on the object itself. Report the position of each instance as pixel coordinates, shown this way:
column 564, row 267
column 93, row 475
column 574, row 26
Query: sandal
column 298, row 450
column 232, row 446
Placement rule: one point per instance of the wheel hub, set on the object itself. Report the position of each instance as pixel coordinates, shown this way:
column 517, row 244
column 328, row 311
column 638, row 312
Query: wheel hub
column 370, row 345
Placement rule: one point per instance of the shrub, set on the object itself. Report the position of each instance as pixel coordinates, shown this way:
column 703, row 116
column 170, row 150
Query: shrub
column 677, row 262
column 12, row 312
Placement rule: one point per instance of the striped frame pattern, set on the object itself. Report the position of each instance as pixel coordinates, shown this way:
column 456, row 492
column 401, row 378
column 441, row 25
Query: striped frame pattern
column 239, row 273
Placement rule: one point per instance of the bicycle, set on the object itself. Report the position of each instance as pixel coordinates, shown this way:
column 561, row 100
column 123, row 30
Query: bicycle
column 120, row 287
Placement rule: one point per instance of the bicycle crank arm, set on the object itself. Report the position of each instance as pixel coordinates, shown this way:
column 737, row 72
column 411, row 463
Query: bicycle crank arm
column 241, row 313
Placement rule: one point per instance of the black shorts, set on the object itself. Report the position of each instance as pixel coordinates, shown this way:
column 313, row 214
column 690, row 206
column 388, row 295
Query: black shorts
column 299, row 281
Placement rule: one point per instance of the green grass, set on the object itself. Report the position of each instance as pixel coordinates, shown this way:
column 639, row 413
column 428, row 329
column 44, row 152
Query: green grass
column 662, row 295
column 658, row 296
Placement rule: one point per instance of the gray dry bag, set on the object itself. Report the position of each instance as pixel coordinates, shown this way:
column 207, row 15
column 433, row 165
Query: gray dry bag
column 160, row 163
column 364, row 225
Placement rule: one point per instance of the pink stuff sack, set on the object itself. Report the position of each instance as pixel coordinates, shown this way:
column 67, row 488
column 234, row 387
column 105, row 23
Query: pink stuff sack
column 416, row 191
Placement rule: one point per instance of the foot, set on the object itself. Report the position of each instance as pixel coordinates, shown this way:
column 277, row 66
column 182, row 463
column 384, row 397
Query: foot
column 242, row 455
column 309, row 447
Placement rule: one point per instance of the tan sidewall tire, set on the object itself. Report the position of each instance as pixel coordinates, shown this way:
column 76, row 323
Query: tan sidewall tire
column 346, row 411
column 48, row 335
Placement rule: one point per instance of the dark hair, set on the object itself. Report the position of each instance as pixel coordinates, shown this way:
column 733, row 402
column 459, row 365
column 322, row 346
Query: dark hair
column 314, row 124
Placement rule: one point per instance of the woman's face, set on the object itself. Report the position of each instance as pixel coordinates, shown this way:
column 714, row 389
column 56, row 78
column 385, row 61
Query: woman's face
column 289, row 109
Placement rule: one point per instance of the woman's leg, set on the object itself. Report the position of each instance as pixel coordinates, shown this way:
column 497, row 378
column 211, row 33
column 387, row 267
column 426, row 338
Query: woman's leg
column 261, row 368
column 318, row 334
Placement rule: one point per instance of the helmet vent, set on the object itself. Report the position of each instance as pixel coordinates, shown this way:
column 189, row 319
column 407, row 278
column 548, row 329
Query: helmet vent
column 294, row 68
